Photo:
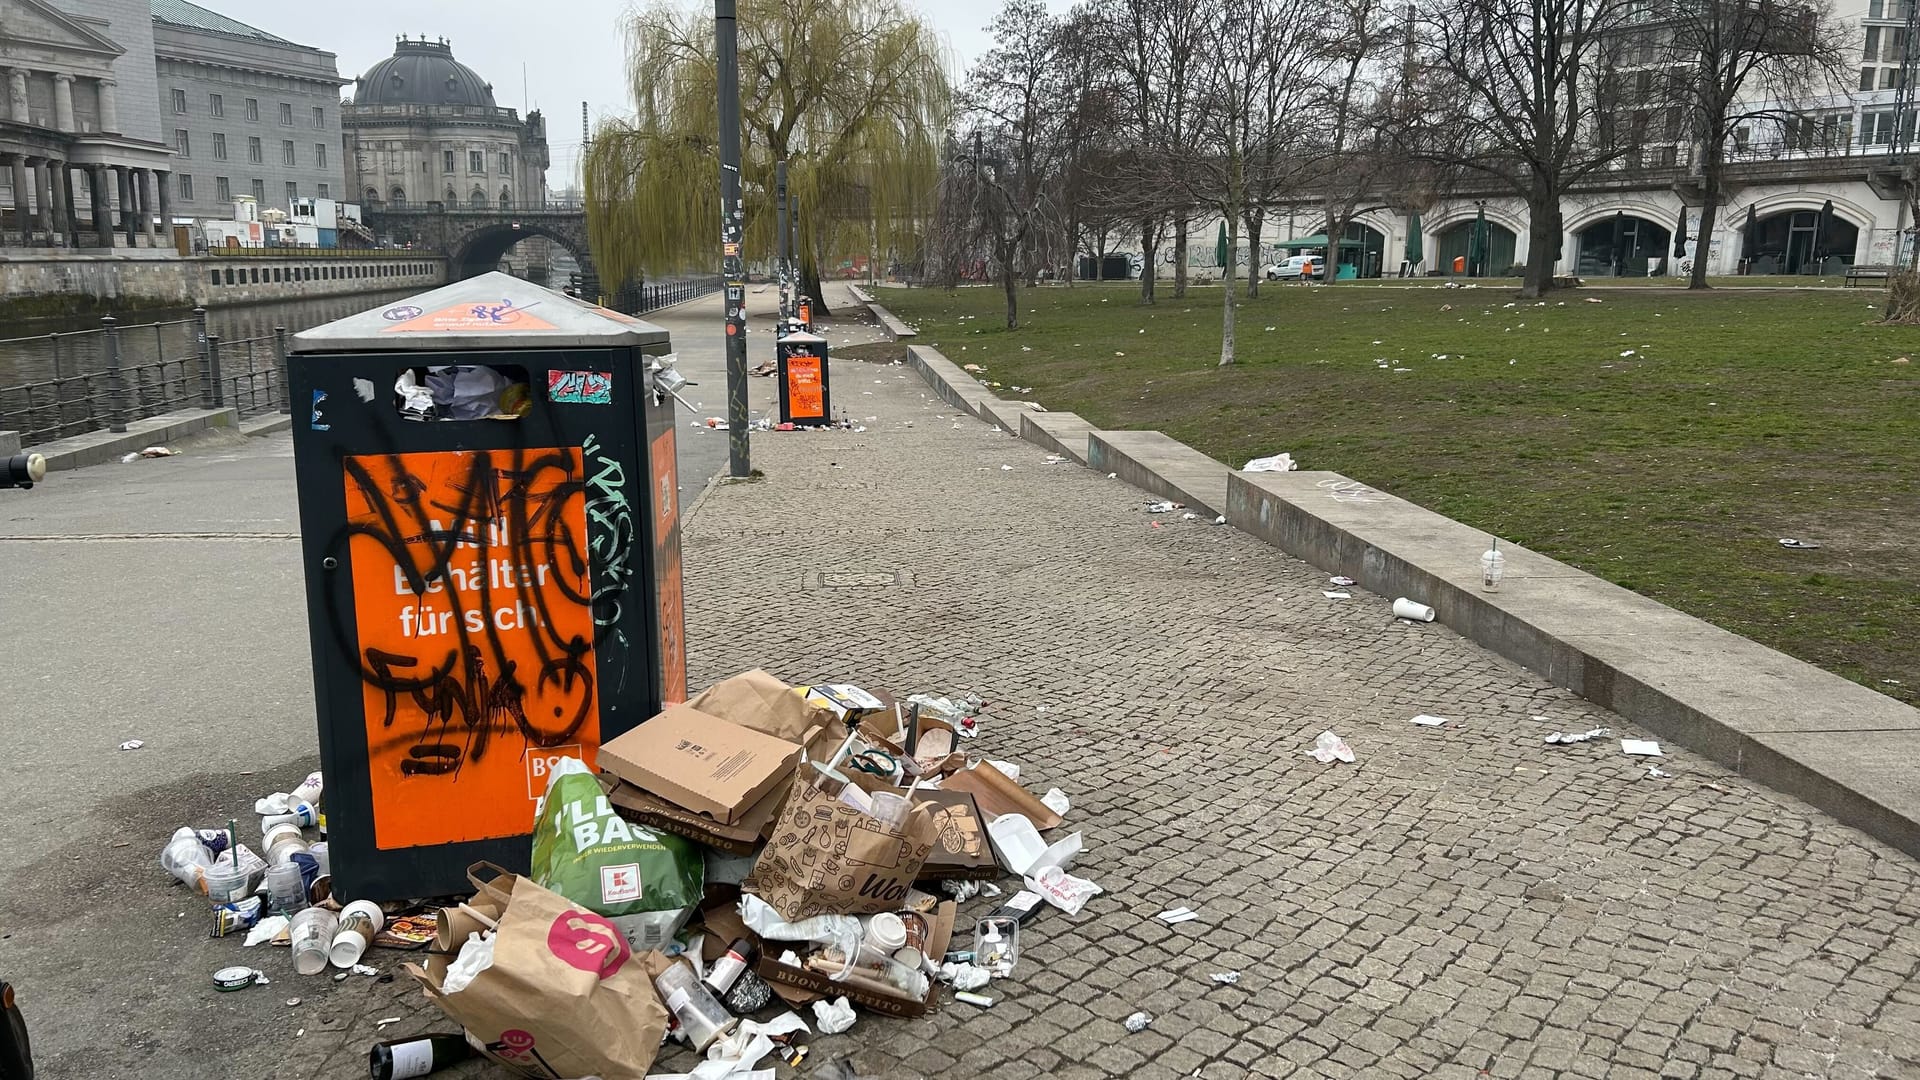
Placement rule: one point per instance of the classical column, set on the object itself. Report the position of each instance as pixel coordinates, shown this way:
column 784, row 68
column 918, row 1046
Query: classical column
column 146, row 206
column 17, row 94
column 57, row 234
column 19, row 167
column 126, row 201
column 42, row 218
column 73, row 207
column 63, row 101
column 102, row 199
column 162, row 179
column 109, row 111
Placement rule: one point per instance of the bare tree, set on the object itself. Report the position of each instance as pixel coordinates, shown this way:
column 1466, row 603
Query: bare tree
column 1005, row 163
column 1725, row 64
column 1512, row 90
column 1360, row 162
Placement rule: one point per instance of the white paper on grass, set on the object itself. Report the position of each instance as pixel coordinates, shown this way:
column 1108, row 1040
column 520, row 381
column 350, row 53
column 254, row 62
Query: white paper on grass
column 1641, row 747
column 1275, row 463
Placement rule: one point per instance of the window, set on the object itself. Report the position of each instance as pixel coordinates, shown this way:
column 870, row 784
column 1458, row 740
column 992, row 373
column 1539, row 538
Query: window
column 223, row 188
column 320, row 154
column 293, row 192
column 326, row 192
column 260, row 193
column 216, row 106
column 179, row 100
column 254, row 153
column 446, row 161
column 319, row 118
column 253, row 108
column 186, row 186
column 182, row 144
column 286, row 152
column 506, row 163
column 219, row 146
column 1866, row 77
column 286, row 114
column 399, row 198
column 476, row 161
column 1895, row 10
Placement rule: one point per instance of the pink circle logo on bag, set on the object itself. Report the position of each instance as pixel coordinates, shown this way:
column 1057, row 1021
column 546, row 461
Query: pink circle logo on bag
column 588, row 942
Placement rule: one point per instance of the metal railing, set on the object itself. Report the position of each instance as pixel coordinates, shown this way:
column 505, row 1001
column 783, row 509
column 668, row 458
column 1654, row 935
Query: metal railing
column 645, row 298
column 54, row 386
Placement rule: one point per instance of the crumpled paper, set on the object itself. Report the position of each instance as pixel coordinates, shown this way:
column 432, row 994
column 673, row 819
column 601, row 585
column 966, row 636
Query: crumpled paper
column 834, row 1016
column 1275, row 463
column 735, row 1056
column 265, row 930
column 1329, row 748
column 964, row 976
column 1138, row 1022
column 1057, row 801
column 475, row 957
column 1063, row 890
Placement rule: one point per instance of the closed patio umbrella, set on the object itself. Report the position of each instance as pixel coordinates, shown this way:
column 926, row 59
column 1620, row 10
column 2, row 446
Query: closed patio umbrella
column 1220, row 246
column 1477, row 245
column 1680, row 235
column 1415, row 252
column 1820, row 234
column 1752, row 242
column 1619, row 238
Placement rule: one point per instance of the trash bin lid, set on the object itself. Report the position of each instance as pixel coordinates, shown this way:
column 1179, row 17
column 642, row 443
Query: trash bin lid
column 801, row 337
column 492, row 311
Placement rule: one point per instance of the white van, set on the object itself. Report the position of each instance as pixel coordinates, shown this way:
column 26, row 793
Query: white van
column 1313, row 266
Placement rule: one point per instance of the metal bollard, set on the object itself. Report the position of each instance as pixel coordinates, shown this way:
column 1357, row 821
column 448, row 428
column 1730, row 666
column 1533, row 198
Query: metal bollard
column 116, row 378
column 280, row 363
column 210, row 391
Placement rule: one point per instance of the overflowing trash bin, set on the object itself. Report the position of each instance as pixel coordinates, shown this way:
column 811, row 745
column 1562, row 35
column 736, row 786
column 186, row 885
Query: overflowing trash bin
column 490, row 531
column 806, row 395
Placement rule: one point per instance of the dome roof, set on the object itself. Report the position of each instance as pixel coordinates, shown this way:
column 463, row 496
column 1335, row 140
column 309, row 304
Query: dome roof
column 422, row 73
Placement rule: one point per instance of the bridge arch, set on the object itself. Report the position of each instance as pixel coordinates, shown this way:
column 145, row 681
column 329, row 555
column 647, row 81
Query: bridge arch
column 480, row 249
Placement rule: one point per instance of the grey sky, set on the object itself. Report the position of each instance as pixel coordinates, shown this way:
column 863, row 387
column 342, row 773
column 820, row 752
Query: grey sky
column 573, row 50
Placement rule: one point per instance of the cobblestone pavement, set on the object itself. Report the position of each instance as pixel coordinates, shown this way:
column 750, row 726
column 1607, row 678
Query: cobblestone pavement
column 1461, row 902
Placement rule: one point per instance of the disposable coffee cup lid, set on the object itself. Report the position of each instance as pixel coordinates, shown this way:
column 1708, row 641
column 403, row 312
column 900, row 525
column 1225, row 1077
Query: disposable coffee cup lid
column 232, row 978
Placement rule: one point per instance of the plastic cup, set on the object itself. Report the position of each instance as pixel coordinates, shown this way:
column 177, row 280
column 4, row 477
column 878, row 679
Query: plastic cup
column 227, row 885
column 286, row 888
column 359, row 921
column 700, row 1016
column 886, row 932
column 311, row 934
column 1404, row 608
column 890, row 809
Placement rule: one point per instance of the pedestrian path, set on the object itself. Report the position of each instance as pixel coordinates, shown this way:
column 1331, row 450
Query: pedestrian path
column 1461, row 898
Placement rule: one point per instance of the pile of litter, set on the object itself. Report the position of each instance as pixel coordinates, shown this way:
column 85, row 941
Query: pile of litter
column 745, row 872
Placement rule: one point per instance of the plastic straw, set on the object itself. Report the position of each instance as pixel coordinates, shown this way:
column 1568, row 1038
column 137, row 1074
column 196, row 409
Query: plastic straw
column 232, row 824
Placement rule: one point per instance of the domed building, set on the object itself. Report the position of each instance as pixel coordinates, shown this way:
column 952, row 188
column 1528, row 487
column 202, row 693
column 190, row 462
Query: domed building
column 423, row 128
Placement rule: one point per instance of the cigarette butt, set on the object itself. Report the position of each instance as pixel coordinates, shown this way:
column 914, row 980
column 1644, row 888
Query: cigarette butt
column 971, row 998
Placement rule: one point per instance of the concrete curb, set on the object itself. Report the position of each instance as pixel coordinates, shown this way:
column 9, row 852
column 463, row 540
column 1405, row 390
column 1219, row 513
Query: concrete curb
column 100, row 447
column 892, row 326
column 269, row 424
column 1156, row 462
column 1793, row 727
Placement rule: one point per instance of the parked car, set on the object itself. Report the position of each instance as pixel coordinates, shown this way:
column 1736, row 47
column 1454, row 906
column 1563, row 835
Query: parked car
column 1298, row 266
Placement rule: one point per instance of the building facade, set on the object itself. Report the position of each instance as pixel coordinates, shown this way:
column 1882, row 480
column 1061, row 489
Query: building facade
column 424, row 128
column 79, row 154
column 245, row 113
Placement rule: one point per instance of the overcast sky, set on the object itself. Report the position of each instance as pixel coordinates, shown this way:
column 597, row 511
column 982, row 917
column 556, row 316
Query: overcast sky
column 572, row 50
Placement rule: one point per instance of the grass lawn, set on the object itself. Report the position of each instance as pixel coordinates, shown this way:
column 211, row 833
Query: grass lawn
column 1661, row 439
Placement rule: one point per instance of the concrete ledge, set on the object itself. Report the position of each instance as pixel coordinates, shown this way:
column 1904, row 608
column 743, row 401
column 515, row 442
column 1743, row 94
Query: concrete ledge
column 1162, row 465
column 99, row 447
column 1061, row 432
column 266, row 424
column 9, row 443
column 894, row 328
column 1004, row 414
column 1785, row 723
column 860, row 294
column 955, row 387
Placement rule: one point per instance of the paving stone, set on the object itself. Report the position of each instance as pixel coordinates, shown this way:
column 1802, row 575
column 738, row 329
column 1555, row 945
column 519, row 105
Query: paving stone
column 1459, row 899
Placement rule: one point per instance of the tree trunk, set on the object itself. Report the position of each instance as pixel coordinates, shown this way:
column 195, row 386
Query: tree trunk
column 1073, row 250
column 1712, row 191
column 1332, row 228
column 1010, row 281
column 1543, row 227
column 810, row 284
column 1226, row 291
column 1255, row 220
column 1148, row 254
column 1180, row 224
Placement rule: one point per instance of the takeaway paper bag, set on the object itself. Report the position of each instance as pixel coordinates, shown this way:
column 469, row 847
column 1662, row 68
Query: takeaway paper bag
column 565, row 997
column 826, row 858
column 763, row 703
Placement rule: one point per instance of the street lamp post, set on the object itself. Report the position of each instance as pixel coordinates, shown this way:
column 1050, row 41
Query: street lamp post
column 732, row 263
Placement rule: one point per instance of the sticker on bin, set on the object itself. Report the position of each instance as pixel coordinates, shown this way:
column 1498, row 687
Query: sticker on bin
column 580, row 387
column 486, row 316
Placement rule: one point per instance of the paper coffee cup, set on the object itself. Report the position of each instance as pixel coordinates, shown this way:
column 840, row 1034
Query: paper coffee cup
column 1404, row 608
column 359, row 921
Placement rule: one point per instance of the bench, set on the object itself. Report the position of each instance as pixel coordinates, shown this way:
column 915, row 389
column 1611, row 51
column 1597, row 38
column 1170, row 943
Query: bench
column 1863, row 273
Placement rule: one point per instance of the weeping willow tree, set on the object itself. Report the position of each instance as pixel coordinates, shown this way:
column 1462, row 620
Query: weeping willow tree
column 852, row 94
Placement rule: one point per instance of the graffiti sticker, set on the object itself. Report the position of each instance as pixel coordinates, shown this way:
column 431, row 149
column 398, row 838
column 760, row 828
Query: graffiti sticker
column 580, row 387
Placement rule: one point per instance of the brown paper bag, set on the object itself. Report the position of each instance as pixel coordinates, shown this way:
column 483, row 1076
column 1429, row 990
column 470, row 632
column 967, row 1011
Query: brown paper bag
column 565, row 997
column 826, row 858
column 763, row 703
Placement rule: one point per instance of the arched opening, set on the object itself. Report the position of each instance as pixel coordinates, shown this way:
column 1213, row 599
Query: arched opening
column 451, row 198
column 371, row 196
column 506, row 199
column 477, row 199
column 1362, row 251
column 522, row 250
column 1456, row 242
column 1624, row 245
column 1794, row 242
column 398, row 197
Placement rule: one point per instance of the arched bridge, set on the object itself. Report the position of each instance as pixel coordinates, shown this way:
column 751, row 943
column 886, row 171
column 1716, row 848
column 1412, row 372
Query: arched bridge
column 475, row 238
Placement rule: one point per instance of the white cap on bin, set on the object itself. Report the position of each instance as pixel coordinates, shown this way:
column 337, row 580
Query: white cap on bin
column 492, row 311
